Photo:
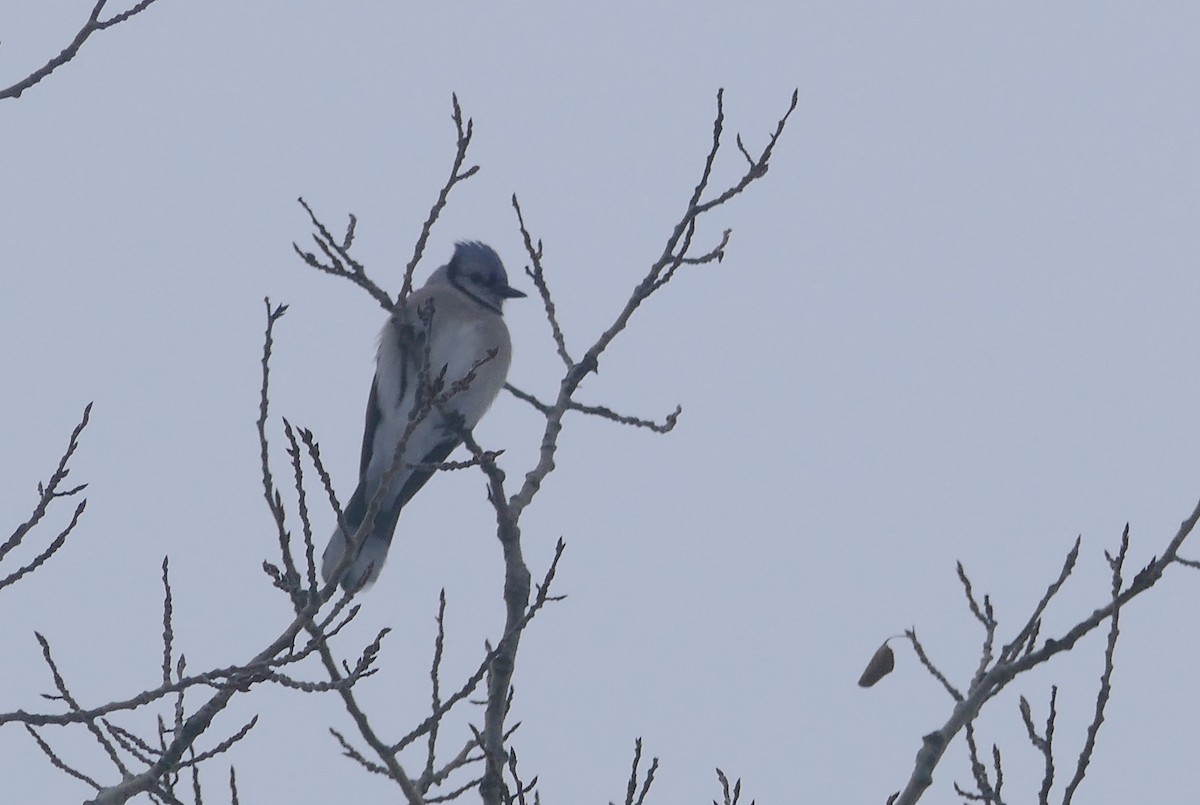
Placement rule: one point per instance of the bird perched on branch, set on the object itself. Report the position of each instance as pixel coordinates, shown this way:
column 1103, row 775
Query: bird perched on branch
column 443, row 357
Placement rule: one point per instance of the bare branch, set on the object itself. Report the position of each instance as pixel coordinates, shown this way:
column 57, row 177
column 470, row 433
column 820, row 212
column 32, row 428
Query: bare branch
column 911, row 634
column 674, row 254
column 47, row 494
column 336, row 254
column 985, row 616
column 50, row 550
column 132, row 744
column 1116, row 564
column 666, row 426
column 439, row 645
column 457, row 174
column 223, row 746
column 168, row 633
column 58, row 762
column 983, row 785
column 539, row 280
column 391, row 767
column 522, row 788
column 1043, row 743
column 349, row 751
column 970, row 593
column 1004, row 670
column 93, row 24
column 186, row 731
column 64, row 695
column 637, row 789
column 338, row 261
column 302, row 506
column 730, row 795
column 456, row 793
column 1028, row 633
column 314, row 454
column 543, row 597
column 274, row 501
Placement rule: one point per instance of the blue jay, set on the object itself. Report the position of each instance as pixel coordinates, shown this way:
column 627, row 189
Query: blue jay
column 466, row 296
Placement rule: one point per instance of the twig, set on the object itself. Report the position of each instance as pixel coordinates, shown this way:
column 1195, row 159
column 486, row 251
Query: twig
column 310, row 563
column 983, row 785
column 339, row 262
column 47, row 494
column 391, row 767
column 730, row 795
column 674, row 254
column 1043, row 743
column 64, row 694
column 439, row 645
column 273, row 498
column 1004, row 670
column 93, row 24
column 58, row 762
column 933, row 670
column 223, row 746
column 1116, row 564
column 635, row 794
column 1028, row 633
column 457, row 174
column 168, row 633
column 666, row 426
column 538, row 275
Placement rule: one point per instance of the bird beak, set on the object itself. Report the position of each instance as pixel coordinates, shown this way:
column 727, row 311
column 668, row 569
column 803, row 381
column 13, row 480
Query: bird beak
column 508, row 292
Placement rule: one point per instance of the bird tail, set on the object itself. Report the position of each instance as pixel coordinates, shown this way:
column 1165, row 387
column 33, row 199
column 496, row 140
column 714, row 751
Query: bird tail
column 364, row 567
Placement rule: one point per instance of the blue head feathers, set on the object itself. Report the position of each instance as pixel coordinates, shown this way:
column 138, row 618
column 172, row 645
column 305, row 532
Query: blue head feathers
column 476, row 270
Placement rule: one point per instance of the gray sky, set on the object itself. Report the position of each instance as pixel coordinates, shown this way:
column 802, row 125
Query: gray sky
column 956, row 322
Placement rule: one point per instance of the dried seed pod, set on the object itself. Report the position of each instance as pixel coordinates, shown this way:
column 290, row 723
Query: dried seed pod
column 881, row 664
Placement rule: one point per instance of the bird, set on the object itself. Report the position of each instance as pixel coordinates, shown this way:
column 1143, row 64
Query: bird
column 452, row 324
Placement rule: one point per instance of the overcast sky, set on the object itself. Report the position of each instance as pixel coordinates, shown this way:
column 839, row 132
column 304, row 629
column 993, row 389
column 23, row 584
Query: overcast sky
column 956, row 321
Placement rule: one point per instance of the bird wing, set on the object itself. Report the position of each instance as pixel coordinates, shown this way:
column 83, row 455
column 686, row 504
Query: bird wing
column 394, row 397
column 369, row 428
column 459, row 338
column 419, row 475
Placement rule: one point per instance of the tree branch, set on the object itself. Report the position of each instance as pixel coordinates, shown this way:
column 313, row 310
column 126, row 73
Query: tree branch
column 93, row 24
column 1007, row 667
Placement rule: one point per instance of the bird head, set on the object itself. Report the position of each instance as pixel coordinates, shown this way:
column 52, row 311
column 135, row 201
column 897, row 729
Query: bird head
column 476, row 270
